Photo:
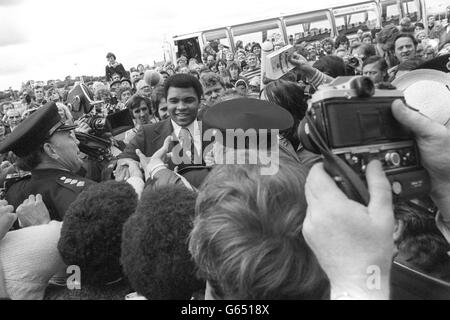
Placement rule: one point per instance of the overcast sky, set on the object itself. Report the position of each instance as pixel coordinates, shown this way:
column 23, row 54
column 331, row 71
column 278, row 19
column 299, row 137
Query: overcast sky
column 50, row 39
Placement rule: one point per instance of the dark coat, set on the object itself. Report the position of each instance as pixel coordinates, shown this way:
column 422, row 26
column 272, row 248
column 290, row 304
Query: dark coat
column 58, row 188
column 119, row 69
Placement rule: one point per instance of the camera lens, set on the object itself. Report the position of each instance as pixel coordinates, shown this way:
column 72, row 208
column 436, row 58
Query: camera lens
column 98, row 124
column 354, row 62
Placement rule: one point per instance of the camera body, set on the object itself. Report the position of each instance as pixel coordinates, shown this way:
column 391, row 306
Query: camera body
column 356, row 124
column 96, row 122
column 354, row 62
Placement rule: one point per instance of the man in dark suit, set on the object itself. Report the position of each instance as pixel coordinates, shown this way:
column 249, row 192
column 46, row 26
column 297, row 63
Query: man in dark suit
column 183, row 93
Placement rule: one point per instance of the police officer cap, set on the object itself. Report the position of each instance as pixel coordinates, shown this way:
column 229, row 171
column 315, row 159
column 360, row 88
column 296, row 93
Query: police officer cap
column 245, row 113
column 440, row 63
column 34, row 130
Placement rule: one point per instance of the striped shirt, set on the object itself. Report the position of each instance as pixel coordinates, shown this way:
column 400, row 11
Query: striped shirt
column 250, row 74
column 319, row 78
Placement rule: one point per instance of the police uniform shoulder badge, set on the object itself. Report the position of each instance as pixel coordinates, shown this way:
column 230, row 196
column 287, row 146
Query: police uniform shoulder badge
column 65, row 181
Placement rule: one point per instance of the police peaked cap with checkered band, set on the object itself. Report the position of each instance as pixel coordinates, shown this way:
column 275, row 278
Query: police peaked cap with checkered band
column 34, row 130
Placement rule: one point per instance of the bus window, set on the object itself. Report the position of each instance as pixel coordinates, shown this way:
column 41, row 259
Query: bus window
column 390, row 13
column 350, row 19
column 189, row 48
column 219, row 35
column 258, row 32
column 410, row 10
column 437, row 8
column 308, row 27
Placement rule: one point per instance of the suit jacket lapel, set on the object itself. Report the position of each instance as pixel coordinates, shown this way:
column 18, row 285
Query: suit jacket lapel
column 162, row 132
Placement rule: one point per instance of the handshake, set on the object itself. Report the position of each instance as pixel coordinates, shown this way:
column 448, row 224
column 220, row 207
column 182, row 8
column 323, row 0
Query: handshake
column 146, row 167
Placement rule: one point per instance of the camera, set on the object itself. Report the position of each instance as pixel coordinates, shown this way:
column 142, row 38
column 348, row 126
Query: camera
column 353, row 62
column 96, row 122
column 350, row 123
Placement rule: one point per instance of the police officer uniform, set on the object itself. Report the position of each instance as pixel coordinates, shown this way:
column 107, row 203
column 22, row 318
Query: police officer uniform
column 58, row 187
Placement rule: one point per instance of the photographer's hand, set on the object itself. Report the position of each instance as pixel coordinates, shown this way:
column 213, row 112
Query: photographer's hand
column 83, row 127
column 7, row 217
column 433, row 140
column 351, row 241
column 32, row 212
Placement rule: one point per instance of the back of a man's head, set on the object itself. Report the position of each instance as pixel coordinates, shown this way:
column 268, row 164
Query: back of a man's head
column 182, row 80
column 247, row 238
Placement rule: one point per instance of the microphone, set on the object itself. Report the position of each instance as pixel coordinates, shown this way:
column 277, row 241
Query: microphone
column 152, row 78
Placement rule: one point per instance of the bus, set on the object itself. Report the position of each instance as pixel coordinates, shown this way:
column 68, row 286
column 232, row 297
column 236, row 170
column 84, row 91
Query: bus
column 302, row 26
column 439, row 9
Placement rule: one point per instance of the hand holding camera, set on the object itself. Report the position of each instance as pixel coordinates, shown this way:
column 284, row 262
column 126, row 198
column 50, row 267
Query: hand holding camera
column 83, row 127
column 433, row 141
column 347, row 237
column 352, row 241
column 351, row 123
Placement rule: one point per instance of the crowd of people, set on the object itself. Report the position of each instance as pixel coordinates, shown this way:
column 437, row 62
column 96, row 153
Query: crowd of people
column 155, row 228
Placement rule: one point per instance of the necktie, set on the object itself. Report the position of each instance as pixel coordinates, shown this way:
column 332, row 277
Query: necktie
column 187, row 142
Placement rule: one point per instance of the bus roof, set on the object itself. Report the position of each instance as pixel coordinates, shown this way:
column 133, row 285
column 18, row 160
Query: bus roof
column 313, row 7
